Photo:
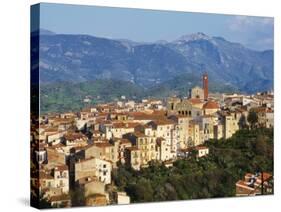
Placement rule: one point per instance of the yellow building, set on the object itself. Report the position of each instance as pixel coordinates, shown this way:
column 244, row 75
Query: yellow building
column 118, row 129
column 105, row 151
column 195, row 135
column 54, row 181
column 230, row 124
column 163, row 150
column 93, row 167
column 167, row 129
column 218, row 131
column 182, row 127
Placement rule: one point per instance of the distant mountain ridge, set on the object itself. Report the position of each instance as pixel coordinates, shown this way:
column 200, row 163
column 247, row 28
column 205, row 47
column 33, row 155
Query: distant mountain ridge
column 78, row 58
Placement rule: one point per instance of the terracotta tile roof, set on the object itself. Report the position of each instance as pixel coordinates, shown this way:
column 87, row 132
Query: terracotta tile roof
column 266, row 176
column 102, row 145
column 124, row 125
column 61, row 168
column 71, row 136
column 211, row 105
column 140, row 116
column 63, row 120
column 201, row 147
column 195, row 101
column 243, row 184
column 49, row 129
column 248, row 176
column 147, row 116
column 161, row 122
column 63, row 197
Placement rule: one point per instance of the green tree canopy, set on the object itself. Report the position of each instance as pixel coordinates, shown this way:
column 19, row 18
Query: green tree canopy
column 253, row 118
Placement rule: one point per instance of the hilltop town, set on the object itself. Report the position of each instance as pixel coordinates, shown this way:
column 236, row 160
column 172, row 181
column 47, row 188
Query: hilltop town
column 78, row 151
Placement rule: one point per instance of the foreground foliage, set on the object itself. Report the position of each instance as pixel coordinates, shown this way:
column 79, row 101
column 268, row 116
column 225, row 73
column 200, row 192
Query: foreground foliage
column 212, row 176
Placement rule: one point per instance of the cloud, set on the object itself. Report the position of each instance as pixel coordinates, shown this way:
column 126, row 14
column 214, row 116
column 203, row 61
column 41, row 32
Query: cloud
column 256, row 32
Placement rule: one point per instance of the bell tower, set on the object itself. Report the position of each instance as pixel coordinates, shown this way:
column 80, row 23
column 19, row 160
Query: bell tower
column 205, row 86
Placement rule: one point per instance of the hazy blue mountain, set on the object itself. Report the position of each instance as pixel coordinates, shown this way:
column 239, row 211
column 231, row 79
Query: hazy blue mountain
column 229, row 62
column 78, row 58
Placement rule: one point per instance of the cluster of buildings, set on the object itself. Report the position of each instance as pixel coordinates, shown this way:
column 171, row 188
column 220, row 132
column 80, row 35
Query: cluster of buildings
column 260, row 183
column 78, row 151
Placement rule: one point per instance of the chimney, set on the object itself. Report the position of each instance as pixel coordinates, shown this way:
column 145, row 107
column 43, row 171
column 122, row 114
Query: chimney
column 205, row 86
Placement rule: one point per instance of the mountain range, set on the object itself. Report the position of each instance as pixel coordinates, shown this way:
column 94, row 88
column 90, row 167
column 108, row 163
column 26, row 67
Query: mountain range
column 79, row 58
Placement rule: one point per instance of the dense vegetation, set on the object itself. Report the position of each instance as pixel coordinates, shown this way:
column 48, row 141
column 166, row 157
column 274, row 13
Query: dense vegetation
column 69, row 96
column 181, row 85
column 212, row 176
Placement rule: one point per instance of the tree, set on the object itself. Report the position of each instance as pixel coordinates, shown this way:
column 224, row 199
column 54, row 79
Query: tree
column 213, row 176
column 261, row 145
column 43, row 203
column 141, row 191
column 242, row 122
column 253, row 119
column 77, row 197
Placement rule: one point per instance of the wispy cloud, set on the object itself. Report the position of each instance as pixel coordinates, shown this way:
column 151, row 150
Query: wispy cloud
column 257, row 31
column 242, row 23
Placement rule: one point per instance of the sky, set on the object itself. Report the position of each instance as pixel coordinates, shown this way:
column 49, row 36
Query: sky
column 152, row 25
